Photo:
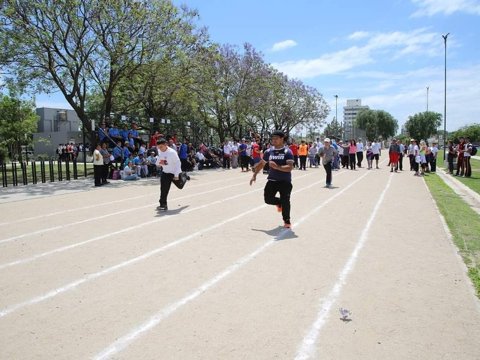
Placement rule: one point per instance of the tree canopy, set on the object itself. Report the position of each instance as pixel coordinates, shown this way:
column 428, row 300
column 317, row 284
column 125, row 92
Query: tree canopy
column 423, row 125
column 376, row 123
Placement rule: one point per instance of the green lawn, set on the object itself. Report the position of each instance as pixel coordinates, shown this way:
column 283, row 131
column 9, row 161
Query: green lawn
column 463, row 222
column 472, row 182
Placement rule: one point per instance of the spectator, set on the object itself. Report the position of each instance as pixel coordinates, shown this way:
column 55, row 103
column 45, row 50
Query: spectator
column 129, row 172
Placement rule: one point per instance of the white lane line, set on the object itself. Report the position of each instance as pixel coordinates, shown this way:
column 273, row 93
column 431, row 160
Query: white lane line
column 69, row 247
column 63, row 226
column 63, row 212
column 123, row 342
column 70, row 286
column 307, row 348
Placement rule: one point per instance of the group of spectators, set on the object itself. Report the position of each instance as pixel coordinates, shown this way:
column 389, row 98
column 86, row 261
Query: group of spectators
column 461, row 152
column 70, row 151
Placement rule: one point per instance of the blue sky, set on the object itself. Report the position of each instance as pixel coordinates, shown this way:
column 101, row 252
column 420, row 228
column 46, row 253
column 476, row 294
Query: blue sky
column 383, row 52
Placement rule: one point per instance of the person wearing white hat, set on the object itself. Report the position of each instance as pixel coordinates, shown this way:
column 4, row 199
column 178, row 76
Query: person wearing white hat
column 327, row 154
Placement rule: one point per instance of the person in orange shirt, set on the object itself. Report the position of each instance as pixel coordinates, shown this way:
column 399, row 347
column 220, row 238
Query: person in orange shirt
column 302, row 154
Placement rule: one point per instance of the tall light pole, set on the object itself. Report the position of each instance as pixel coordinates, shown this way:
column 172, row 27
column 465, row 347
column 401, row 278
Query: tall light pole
column 336, row 115
column 445, row 99
column 428, row 87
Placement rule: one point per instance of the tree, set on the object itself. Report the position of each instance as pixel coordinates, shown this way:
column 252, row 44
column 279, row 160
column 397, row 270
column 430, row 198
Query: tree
column 423, row 125
column 82, row 46
column 470, row 131
column 376, row 123
column 18, row 121
column 334, row 129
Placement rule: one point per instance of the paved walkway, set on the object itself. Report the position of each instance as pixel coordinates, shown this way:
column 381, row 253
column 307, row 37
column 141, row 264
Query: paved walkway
column 99, row 273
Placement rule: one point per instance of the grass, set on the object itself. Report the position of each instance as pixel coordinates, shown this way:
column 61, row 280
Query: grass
column 472, row 182
column 464, row 224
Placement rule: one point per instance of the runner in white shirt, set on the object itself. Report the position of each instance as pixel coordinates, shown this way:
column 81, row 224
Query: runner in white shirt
column 359, row 152
column 376, row 152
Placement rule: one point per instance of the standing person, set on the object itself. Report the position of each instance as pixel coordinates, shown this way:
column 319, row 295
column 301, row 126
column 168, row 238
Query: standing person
column 312, row 155
column 451, row 156
column 327, row 154
column 242, row 150
column 359, row 153
column 411, row 154
column 234, row 154
column 352, row 151
column 302, row 154
column 434, row 152
column 369, row 153
column 394, row 153
column 401, row 149
column 171, row 168
column 376, row 152
column 183, row 155
column 461, row 155
column 417, row 158
column 227, row 154
column 466, row 157
column 98, row 165
column 294, row 150
column 106, row 163
column 280, row 160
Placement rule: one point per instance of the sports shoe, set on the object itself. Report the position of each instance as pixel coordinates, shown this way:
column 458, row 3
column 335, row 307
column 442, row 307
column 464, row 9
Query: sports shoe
column 287, row 225
column 279, row 208
column 162, row 207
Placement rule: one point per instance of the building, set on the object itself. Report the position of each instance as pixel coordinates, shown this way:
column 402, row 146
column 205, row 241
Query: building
column 350, row 112
column 56, row 126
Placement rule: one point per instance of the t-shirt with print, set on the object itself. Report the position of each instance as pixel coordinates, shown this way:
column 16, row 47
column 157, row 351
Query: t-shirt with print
column 280, row 157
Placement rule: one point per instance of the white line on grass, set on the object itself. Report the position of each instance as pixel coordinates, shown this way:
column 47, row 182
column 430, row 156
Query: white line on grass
column 10, row 309
column 307, row 348
column 153, row 321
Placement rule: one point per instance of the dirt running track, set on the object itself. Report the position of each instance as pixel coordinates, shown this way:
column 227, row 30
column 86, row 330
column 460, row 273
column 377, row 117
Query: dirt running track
column 98, row 273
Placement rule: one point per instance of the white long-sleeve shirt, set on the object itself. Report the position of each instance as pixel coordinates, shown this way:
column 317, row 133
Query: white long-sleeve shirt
column 169, row 161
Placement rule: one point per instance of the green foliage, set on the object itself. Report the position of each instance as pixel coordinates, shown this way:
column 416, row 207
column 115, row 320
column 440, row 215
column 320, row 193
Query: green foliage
column 3, row 154
column 470, row 131
column 376, row 123
column 423, row 125
column 18, row 121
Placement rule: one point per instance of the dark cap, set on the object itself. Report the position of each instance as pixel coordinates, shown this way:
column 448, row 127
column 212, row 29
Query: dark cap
column 161, row 141
column 278, row 133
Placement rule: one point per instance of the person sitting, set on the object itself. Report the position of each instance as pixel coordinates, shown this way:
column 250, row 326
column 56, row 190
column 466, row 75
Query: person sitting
column 151, row 164
column 129, row 172
column 140, row 165
column 117, row 154
column 200, row 159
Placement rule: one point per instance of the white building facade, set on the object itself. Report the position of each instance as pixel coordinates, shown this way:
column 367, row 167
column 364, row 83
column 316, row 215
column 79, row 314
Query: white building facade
column 350, row 112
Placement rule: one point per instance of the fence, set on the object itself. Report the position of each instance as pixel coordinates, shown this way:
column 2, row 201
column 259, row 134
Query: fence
column 23, row 173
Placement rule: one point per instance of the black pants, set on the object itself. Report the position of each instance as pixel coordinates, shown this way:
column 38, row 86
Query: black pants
column 450, row 159
column 351, row 158
column 285, row 189
column 412, row 162
column 433, row 164
column 97, row 174
column 165, row 183
column 244, row 162
column 328, row 170
column 468, row 167
column 359, row 158
column 295, row 161
column 400, row 162
column 303, row 162
column 226, row 162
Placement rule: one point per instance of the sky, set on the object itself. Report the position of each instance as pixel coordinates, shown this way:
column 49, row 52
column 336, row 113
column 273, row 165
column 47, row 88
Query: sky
column 385, row 53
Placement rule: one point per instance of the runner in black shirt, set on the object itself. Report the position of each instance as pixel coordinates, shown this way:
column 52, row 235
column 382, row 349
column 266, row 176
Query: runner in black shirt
column 280, row 160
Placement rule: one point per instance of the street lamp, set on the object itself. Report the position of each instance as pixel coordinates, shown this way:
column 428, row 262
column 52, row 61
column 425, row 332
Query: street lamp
column 336, row 115
column 427, row 96
column 445, row 99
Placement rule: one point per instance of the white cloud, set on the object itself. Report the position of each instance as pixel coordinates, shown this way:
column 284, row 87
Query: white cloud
column 282, row 45
column 389, row 46
column 446, row 7
column 357, row 35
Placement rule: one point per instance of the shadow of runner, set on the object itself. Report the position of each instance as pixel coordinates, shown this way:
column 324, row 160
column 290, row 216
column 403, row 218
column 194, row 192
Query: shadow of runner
column 279, row 233
column 171, row 212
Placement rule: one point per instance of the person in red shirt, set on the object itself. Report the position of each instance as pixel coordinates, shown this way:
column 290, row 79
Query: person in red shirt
column 256, row 154
column 294, row 150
